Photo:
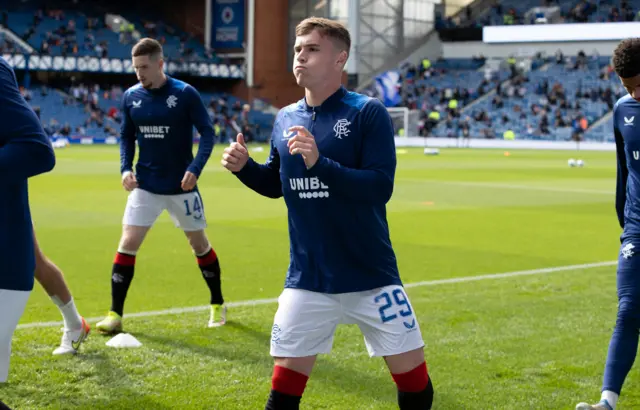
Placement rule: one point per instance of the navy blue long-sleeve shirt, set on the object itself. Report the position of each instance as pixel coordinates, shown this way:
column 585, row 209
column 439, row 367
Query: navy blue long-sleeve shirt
column 626, row 128
column 25, row 151
column 338, row 230
column 161, row 120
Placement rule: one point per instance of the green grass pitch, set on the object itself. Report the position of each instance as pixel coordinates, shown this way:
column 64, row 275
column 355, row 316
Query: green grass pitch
column 514, row 342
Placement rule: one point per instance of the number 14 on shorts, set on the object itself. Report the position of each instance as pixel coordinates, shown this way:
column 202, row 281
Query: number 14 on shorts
column 395, row 305
column 195, row 209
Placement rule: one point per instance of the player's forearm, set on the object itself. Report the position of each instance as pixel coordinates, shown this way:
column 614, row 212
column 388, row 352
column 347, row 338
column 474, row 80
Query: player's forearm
column 127, row 153
column 261, row 179
column 205, row 148
column 22, row 159
column 362, row 185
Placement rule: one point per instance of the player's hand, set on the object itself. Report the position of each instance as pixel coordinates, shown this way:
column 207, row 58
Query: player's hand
column 189, row 181
column 129, row 181
column 303, row 143
column 236, row 155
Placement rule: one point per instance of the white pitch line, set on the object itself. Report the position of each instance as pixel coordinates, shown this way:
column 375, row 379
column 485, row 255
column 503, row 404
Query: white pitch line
column 256, row 302
column 514, row 186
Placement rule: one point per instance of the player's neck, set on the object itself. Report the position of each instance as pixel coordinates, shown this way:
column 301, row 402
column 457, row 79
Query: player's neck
column 161, row 82
column 316, row 96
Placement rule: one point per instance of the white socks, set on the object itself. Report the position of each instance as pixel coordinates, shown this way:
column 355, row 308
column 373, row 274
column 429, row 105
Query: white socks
column 72, row 319
column 610, row 397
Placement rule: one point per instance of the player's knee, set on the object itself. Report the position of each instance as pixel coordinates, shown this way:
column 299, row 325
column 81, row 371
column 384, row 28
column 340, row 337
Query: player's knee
column 303, row 365
column 198, row 241
column 129, row 245
column 131, row 240
column 404, row 362
column 628, row 314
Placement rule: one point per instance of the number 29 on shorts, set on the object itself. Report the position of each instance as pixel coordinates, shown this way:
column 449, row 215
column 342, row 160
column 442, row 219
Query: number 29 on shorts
column 392, row 305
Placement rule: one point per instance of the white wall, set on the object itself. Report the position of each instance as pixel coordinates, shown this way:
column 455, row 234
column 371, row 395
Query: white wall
column 466, row 49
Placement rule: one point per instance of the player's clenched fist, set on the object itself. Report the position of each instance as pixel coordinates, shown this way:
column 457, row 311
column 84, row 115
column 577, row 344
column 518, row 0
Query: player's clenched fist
column 129, row 181
column 236, row 155
column 189, row 181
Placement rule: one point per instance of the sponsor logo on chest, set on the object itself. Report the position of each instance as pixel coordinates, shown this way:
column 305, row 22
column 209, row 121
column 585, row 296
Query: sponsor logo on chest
column 154, row 131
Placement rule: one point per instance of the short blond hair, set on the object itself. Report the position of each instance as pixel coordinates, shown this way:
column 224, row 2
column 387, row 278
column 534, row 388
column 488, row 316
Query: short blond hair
column 335, row 30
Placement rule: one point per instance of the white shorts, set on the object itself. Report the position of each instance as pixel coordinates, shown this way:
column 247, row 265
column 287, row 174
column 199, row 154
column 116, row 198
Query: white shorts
column 306, row 321
column 186, row 210
column 12, row 303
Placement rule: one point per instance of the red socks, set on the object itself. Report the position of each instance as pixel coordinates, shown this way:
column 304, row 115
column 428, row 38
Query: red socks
column 288, row 381
column 124, row 259
column 208, row 258
column 413, row 381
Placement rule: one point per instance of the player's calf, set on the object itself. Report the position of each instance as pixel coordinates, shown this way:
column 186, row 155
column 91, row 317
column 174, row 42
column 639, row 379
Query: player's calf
column 124, row 265
column 415, row 389
column 49, row 275
column 209, row 265
column 76, row 329
column 409, row 371
column 288, row 383
column 51, row 278
column 121, row 278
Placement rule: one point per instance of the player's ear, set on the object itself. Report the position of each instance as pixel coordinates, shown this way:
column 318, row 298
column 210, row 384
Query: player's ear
column 342, row 57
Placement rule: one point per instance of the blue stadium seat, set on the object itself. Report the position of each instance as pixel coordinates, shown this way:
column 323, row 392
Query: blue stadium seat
column 525, row 124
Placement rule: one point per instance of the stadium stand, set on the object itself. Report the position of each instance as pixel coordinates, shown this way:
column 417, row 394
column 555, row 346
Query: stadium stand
column 505, row 99
column 89, row 111
column 535, row 105
column 80, row 29
column 455, row 97
column 509, row 12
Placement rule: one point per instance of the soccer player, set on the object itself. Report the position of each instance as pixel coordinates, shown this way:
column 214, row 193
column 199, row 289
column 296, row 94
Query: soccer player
column 626, row 114
column 160, row 113
column 76, row 329
column 333, row 159
column 25, row 151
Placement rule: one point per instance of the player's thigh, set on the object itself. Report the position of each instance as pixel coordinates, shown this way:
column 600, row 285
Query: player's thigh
column 304, row 323
column 143, row 208
column 387, row 320
column 12, row 304
column 628, row 273
column 187, row 211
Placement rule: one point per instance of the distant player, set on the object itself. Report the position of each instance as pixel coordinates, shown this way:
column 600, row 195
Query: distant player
column 626, row 122
column 25, row 151
column 333, row 159
column 160, row 113
column 76, row 329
